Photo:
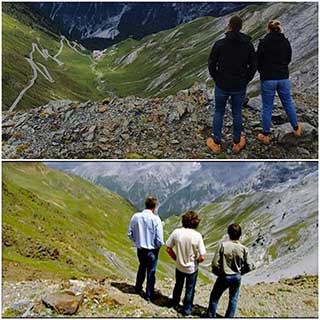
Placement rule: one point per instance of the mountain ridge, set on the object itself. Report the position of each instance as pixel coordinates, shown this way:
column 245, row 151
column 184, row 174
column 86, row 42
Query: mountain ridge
column 100, row 24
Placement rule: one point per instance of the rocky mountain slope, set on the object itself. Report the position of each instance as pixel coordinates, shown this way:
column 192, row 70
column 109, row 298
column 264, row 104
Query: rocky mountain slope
column 100, row 24
column 114, row 298
column 178, row 57
column 133, row 127
column 180, row 186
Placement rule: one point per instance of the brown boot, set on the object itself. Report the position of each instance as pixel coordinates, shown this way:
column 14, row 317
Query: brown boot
column 264, row 139
column 215, row 147
column 298, row 132
column 237, row 147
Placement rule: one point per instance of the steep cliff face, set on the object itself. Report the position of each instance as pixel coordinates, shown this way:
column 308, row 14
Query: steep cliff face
column 111, row 22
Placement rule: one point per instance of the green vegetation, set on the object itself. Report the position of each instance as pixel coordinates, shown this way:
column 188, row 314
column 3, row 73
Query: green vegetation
column 61, row 223
column 160, row 64
column 74, row 80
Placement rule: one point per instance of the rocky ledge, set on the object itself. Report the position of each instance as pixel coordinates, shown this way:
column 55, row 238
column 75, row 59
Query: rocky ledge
column 134, row 127
column 115, row 298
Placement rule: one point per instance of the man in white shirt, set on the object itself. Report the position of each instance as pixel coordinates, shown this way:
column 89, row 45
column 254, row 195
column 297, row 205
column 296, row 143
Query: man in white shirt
column 145, row 230
column 189, row 252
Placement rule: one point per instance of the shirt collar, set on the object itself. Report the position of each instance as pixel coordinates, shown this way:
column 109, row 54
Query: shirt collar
column 147, row 211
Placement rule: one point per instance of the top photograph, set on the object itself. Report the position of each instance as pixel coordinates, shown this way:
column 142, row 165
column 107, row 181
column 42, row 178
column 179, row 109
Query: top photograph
column 159, row 80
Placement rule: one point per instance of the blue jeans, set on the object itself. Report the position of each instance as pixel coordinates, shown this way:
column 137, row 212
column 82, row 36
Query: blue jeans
column 191, row 280
column 237, row 100
column 268, row 91
column 224, row 282
column 148, row 264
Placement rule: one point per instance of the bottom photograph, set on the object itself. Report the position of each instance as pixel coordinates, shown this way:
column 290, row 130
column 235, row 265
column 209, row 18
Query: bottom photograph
column 160, row 239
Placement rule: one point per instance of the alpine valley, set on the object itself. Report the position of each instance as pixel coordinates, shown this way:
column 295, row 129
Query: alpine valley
column 63, row 233
column 81, row 80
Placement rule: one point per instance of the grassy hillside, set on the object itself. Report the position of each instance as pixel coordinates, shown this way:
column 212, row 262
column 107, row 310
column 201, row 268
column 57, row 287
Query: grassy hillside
column 74, row 80
column 58, row 223
column 160, row 64
column 164, row 63
column 61, row 224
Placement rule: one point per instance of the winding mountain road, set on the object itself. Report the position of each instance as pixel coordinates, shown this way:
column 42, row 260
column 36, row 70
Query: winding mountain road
column 40, row 68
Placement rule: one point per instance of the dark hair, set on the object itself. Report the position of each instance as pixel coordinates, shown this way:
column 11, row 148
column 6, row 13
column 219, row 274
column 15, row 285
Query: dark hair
column 234, row 231
column 151, row 202
column 275, row 26
column 190, row 219
column 235, row 23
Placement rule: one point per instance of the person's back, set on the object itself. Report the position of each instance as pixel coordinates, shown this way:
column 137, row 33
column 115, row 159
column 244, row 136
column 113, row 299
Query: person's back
column 229, row 263
column 233, row 258
column 274, row 56
column 232, row 64
column 144, row 230
column 189, row 252
column 187, row 244
column 235, row 54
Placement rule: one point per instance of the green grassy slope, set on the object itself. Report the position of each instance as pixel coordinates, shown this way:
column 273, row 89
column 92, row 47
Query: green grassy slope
column 45, row 209
column 160, row 64
column 74, row 80
column 164, row 63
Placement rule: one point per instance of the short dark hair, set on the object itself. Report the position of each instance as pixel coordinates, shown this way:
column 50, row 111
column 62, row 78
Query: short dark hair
column 234, row 231
column 190, row 219
column 151, row 202
column 235, row 23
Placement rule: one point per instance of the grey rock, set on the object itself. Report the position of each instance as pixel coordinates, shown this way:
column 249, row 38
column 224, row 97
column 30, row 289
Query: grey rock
column 284, row 134
column 66, row 302
column 20, row 306
column 255, row 104
column 9, row 123
column 67, row 115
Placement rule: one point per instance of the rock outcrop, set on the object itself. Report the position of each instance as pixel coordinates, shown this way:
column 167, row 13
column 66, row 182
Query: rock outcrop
column 134, row 127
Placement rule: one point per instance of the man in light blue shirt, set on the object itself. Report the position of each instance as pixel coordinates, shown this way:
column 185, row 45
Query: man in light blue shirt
column 145, row 230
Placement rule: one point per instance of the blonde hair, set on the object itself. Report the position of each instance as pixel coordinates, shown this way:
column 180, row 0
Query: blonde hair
column 275, row 25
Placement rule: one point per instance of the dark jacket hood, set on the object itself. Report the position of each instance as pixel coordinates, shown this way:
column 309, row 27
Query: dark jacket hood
column 238, row 36
column 275, row 36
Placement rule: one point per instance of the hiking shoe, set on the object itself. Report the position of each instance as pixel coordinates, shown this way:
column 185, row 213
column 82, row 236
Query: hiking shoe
column 237, row 147
column 263, row 138
column 215, row 147
column 298, row 132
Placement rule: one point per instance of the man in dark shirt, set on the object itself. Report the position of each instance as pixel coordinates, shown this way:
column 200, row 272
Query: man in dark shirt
column 232, row 65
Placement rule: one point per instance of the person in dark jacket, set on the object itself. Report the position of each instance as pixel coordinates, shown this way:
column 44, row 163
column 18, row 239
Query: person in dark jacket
column 232, row 65
column 274, row 55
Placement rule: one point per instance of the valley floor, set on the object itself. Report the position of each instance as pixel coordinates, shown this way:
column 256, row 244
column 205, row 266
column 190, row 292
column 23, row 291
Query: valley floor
column 114, row 297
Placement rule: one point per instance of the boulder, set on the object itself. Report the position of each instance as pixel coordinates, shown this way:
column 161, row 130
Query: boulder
column 65, row 302
column 255, row 104
column 9, row 123
column 284, row 134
